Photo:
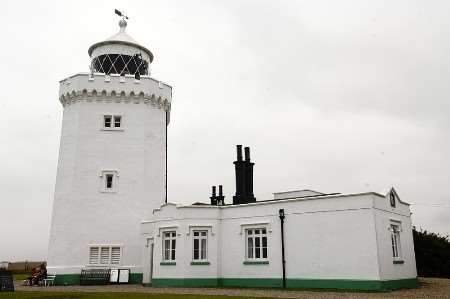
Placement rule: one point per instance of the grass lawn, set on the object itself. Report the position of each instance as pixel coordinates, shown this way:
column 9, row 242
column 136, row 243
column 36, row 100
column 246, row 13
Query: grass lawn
column 71, row 295
column 21, row 276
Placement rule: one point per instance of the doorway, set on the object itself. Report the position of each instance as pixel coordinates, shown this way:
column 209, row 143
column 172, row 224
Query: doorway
column 148, row 262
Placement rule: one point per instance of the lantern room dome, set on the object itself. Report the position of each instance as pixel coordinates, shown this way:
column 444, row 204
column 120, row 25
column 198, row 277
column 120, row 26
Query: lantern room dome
column 120, row 54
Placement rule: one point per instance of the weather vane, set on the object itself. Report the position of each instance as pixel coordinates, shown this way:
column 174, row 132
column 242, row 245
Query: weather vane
column 120, row 14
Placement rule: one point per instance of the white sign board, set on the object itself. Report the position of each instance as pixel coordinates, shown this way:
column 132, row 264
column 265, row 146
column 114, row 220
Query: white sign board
column 114, row 275
column 124, row 275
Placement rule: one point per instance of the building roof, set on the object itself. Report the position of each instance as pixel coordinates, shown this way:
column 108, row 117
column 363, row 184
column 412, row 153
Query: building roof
column 122, row 37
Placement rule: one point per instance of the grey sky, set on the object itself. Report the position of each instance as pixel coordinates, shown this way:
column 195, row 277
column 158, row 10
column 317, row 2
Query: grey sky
column 335, row 96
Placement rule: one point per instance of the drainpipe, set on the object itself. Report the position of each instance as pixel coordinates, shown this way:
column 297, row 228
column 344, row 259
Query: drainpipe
column 283, row 261
column 165, row 200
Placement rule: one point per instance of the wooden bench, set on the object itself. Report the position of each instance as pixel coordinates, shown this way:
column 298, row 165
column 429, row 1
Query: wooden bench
column 95, row 276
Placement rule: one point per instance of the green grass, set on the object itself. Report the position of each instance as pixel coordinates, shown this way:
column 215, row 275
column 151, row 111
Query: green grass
column 21, row 276
column 73, row 295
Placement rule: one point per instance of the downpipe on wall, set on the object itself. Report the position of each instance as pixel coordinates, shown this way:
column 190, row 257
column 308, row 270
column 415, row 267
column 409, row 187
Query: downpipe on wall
column 283, row 261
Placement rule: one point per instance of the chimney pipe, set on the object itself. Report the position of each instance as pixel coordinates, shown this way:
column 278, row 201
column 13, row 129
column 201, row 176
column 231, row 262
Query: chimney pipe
column 247, row 153
column 239, row 152
column 213, row 191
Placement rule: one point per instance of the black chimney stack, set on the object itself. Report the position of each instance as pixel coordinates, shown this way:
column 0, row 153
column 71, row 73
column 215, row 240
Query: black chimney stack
column 244, row 177
column 220, row 198
column 217, row 200
column 213, row 196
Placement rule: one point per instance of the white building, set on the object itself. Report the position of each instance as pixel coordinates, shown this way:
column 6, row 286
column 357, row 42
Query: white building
column 112, row 160
column 110, row 208
column 350, row 241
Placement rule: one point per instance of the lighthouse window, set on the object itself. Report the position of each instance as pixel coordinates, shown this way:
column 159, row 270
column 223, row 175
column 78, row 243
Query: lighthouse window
column 109, row 181
column 104, row 255
column 107, row 121
column 112, row 122
column 117, row 119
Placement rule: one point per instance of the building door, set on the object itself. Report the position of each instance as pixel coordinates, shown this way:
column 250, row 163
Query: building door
column 148, row 262
column 151, row 263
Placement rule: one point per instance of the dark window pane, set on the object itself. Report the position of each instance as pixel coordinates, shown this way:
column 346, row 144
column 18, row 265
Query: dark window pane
column 256, row 231
column 249, row 232
column 264, row 241
column 109, row 181
column 264, row 231
column 195, row 254
column 196, row 247
column 265, row 252
column 117, row 120
column 195, row 234
column 250, row 248
column 107, row 120
column 203, row 249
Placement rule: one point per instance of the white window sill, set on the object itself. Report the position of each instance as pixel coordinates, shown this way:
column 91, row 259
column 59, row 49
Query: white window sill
column 111, row 129
column 108, row 191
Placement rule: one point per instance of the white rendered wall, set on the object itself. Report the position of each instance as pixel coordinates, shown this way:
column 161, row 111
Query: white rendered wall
column 84, row 215
column 384, row 216
column 329, row 238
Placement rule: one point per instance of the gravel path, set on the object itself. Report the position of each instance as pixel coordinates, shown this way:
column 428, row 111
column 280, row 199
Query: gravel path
column 430, row 288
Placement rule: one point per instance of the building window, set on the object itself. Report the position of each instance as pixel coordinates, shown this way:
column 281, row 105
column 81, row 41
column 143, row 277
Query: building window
column 395, row 241
column 256, row 244
column 200, row 245
column 110, row 180
column 392, row 199
column 169, row 245
column 112, row 122
column 107, row 121
column 104, row 255
column 117, row 119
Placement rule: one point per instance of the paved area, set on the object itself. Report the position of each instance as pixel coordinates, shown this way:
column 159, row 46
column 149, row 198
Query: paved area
column 430, row 288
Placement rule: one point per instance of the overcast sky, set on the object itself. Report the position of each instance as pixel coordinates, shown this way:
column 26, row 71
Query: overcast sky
column 334, row 96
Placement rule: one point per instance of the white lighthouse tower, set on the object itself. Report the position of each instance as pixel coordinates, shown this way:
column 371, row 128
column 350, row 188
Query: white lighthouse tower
column 112, row 160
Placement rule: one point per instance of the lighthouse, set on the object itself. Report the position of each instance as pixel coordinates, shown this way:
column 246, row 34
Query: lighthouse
column 112, row 166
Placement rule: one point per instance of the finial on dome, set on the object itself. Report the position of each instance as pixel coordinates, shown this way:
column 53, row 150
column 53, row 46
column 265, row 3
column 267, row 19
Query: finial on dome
column 122, row 24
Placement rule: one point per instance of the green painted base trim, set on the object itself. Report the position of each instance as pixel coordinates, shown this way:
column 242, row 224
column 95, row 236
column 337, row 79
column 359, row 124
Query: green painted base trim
column 168, row 263
column 74, row 279
column 67, row 279
column 135, row 278
column 185, row 282
column 398, row 262
column 362, row 285
column 256, row 263
column 200, row 263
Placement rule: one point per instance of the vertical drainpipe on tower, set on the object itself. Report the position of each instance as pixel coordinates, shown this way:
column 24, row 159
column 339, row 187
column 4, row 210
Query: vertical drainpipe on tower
column 283, row 261
column 167, row 112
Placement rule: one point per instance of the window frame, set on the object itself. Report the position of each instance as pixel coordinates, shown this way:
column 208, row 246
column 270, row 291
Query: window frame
column 395, row 244
column 112, row 121
column 200, row 238
column 110, row 255
column 172, row 238
column 253, row 236
column 104, row 174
